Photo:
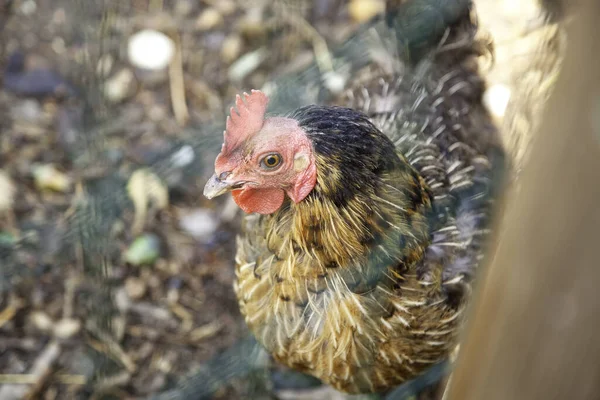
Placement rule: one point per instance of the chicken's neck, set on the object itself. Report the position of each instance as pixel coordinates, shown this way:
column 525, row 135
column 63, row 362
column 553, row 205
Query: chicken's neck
column 384, row 224
column 369, row 208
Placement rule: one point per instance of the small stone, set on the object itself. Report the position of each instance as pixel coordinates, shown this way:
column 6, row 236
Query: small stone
column 105, row 65
column 225, row 7
column 41, row 320
column 47, row 177
column 200, row 224
column 59, row 16
column 28, row 110
column 183, row 157
column 7, row 192
column 246, row 64
column 32, row 76
column 184, row 7
column 334, row 81
column 144, row 250
column 154, row 281
column 120, row 86
column 157, row 113
column 163, row 364
column 135, row 288
column 231, row 48
column 206, row 331
column 172, row 296
column 496, row 99
column 175, row 283
column 252, row 24
column 214, row 40
column 363, row 10
column 150, row 49
column 209, row 19
column 81, row 363
column 66, row 328
column 122, row 300
column 28, row 7
column 58, row 45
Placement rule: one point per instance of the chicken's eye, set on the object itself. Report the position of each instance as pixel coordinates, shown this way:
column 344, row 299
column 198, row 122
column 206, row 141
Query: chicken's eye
column 270, row 161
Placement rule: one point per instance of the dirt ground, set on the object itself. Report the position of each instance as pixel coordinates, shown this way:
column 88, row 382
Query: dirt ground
column 125, row 316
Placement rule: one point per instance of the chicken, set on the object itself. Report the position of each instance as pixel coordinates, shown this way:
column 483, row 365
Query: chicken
column 364, row 224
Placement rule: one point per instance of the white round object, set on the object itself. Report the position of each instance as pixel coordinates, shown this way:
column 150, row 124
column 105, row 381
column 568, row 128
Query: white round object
column 496, row 99
column 28, row 7
column 334, row 81
column 183, row 157
column 7, row 190
column 150, row 49
column 200, row 223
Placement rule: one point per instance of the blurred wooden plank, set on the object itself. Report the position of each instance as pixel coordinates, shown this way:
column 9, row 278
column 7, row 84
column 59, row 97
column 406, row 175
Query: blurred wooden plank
column 535, row 321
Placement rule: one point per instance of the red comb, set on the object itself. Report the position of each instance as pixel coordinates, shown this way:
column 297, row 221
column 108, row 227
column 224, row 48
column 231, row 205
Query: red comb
column 247, row 120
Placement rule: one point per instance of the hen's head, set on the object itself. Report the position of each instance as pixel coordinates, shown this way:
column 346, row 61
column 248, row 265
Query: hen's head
column 262, row 159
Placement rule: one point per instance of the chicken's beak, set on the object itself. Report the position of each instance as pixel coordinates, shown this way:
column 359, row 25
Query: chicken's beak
column 216, row 187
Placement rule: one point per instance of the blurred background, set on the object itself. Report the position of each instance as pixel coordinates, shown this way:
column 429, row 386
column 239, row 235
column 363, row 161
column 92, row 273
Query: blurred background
column 115, row 272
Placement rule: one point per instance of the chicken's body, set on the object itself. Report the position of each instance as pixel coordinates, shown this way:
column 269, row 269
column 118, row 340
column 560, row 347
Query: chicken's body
column 330, row 285
column 362, row 282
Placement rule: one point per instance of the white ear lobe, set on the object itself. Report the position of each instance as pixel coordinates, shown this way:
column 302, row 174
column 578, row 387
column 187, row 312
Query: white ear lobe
column 301, row 161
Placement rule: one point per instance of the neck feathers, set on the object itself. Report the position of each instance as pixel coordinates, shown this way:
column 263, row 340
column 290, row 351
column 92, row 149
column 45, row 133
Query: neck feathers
column 379, row 224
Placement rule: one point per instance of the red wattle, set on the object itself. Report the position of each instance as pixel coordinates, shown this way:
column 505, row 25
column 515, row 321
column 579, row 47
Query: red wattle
column 262, row 201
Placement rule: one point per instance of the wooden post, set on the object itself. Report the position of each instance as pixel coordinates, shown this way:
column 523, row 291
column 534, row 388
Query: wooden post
column 534, row 330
